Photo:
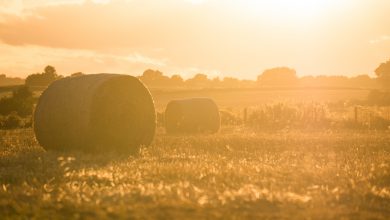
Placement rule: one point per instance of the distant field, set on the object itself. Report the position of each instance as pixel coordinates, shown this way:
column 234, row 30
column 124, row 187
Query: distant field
column 233, row 98
column 7, row 90
column 235, row 174
column 4, row 94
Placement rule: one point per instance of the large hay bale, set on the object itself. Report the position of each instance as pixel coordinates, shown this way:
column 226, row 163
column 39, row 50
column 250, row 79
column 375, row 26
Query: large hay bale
column 196, row 115
column 99, row 112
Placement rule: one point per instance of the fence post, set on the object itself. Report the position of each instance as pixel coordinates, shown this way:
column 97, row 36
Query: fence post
column 245, row 115
column 388, row 113
column 370, row 123
column 356, row 114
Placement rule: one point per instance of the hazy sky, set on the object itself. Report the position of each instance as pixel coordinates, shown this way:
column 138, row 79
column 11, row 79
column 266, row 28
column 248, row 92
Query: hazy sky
column 237, row 38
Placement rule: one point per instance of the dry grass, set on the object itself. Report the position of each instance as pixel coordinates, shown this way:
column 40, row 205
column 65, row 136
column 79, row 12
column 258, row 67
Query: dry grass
column 232, row 98
column 230, row 175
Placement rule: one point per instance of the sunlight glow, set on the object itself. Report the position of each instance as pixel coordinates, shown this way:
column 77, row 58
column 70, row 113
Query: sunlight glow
column 292, row 10
column 101, row 1
column 196, row 2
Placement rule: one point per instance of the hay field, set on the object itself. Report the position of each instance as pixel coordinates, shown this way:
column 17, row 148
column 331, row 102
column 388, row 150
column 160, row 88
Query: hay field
column 236, row 174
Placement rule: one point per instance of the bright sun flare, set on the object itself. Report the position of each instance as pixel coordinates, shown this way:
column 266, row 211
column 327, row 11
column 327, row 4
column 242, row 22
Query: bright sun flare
column 291, row 10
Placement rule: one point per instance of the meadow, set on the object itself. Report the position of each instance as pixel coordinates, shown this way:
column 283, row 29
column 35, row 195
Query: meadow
column 231, row 175
column 242, row 172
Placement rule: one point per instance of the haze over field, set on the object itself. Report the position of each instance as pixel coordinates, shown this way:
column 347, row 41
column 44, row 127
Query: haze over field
column 200, row 109
column 219, row 38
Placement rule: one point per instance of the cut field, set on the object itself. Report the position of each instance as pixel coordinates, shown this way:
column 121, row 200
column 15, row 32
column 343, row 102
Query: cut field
column 241, row 98
column 231, row 98
column 234, row 174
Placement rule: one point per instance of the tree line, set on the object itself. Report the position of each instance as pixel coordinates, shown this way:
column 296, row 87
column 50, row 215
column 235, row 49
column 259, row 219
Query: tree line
column 274, row 77
column 280, row 77
column 22, row 100
column 10, row 81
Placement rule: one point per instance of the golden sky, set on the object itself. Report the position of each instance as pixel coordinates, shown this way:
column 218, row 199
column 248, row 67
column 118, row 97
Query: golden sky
column 237, row 38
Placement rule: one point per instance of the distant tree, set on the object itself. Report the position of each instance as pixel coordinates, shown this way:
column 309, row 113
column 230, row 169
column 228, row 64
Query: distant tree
column 383, row 77
column 200, row 77
column 8, row 81
column 199, row 80
column 20, row 102
column 248, row 83
column 154, row 78
column 231, row 82
column 280, row 76
column 50, row 70
column 152, row 75
column 176, row 80
column 383, row 73
column 77, row 74
column 43, row 79
column 363, row 81
column 216, row 82
column 333, row 81
column 379, row 98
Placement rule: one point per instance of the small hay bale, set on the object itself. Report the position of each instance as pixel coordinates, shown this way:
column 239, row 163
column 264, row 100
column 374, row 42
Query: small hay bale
column 99, row 112
column 196, row 115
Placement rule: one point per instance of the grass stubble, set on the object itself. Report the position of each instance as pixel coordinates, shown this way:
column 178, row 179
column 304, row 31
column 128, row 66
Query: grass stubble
column 235, row 174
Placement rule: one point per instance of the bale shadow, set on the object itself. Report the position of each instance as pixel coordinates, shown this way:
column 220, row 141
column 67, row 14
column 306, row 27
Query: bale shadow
column 23, row 160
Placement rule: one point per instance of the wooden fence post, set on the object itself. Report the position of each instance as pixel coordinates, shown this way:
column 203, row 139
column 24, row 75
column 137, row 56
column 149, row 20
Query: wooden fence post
column 245, row 115
column 356, row 114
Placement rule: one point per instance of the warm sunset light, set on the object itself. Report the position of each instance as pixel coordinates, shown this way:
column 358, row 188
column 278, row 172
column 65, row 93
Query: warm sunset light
column 220, row 38
column 297, row 9
column 195, row 109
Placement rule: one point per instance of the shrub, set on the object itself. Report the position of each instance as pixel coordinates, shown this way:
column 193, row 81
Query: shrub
column 379, row 98
column 12, row 121
column 21, row 102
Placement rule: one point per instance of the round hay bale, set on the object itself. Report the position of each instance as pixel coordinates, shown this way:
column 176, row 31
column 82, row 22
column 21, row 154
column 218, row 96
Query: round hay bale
column 196, row 115
column 99, row 112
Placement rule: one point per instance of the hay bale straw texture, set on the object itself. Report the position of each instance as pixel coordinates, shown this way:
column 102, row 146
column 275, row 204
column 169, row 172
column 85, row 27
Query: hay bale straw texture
column 196, row 115
column 98, row 112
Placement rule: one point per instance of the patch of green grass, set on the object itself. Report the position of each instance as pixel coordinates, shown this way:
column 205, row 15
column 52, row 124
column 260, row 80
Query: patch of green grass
column 234, row 174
